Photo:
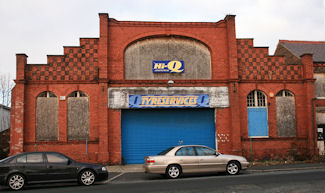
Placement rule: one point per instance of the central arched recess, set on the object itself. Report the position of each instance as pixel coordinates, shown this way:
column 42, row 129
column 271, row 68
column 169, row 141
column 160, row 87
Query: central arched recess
column 139, row 55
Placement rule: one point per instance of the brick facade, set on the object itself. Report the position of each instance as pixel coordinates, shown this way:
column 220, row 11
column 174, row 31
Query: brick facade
column 98, row 64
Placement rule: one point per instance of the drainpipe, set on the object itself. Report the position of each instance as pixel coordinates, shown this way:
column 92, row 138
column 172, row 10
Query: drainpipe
column 87, row 146
column 314, row 126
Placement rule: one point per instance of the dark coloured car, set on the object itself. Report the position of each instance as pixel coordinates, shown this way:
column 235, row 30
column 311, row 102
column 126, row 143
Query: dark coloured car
column 42, row 167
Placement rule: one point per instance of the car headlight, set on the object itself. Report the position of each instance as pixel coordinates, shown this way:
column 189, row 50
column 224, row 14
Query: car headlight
column 104, row 169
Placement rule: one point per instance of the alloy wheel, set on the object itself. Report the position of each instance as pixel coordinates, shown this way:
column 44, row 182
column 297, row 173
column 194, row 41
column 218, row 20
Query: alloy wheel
column 87, row 178
column 232, row 168
column 16, row 182
column 173, row 171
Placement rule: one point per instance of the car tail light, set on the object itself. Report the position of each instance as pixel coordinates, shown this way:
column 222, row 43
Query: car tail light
column 150, row 160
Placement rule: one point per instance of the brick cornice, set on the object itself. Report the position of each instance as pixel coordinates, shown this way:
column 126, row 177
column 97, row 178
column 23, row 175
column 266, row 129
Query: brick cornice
column 114, row 22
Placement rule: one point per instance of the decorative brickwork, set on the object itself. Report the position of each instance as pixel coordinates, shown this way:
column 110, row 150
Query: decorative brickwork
column 98, row 65
column 319, row 67
column 77, row 64
column 255, row 64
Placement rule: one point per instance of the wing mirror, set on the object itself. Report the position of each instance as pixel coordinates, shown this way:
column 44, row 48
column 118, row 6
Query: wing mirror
column 217, row 153
column 69, row 162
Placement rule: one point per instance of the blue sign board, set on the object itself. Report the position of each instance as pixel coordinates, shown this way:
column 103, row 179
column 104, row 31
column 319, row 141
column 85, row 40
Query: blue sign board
column 169, row 101
column 167, row 66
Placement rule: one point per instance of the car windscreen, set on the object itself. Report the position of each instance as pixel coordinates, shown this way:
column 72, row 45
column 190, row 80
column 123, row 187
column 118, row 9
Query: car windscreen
column 5, row 160
column 165, row 151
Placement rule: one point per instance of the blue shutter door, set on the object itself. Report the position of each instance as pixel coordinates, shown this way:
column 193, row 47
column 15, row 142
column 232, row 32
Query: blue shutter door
column 150, row 131
column 257, row 122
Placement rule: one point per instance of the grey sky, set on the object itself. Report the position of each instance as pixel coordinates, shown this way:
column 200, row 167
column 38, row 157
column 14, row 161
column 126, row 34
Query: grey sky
column 42, row 27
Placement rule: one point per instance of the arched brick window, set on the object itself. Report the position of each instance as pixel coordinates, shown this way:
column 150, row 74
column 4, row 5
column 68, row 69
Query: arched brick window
column 285, row 114
column 78, row 116
column 257, row 114
column 46, row 116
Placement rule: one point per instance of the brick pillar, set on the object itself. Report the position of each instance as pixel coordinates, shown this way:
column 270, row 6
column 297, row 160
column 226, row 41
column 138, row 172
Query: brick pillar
column 103, row 46
column 307, row 61
column 17, row 107
column 234, row 101
column 233, row 85
column 103, row 154
column 232, row 47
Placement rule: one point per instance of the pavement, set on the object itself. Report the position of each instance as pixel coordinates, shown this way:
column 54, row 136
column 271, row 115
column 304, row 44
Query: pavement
column 135, row 173
column 134, row 168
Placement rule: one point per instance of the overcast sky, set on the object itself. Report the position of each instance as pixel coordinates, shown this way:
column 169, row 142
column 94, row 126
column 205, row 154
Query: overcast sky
column 42, row 27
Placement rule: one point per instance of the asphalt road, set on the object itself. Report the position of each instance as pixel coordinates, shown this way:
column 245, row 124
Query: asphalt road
column 285, row 181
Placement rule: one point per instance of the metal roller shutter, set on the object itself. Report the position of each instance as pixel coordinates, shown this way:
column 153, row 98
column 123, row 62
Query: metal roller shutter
column 150, row 131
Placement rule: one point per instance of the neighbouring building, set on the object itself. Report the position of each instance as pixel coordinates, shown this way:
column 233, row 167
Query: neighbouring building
column 4, row 118
column 292, row 50
column 144, row 86
column 4, row 130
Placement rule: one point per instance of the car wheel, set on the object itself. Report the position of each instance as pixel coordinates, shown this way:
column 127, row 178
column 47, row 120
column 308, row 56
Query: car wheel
column 233, row 168
column 87, row 177
column 173, row 171
column 16, row 181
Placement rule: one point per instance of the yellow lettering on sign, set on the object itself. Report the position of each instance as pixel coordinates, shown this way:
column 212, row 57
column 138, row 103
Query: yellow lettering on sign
column 172, row 100
column 178, row 100
column 154, row 101
column 193, row 100
column 160, row 101
column 169, row 100
column 145, row 100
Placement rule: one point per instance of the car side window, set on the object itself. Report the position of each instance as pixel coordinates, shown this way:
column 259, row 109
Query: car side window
column 203, row 151
column 35, row 158
column 56, row 158
column 22, row 159
column 186, row 151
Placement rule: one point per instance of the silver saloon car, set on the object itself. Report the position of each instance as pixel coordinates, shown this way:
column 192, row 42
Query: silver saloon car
column 175, row 161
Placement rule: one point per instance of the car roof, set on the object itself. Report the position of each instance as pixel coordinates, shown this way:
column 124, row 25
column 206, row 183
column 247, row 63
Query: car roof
column 191, row 146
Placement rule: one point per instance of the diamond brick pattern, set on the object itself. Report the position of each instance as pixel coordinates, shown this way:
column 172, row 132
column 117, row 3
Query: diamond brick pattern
column 78, row 63
column 255, row 64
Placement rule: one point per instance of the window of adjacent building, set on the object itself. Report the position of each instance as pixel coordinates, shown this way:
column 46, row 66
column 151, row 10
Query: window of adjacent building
column 320, row 84
column 257, row 114
column 46, row 116
column 78, row 116
column 285, row 114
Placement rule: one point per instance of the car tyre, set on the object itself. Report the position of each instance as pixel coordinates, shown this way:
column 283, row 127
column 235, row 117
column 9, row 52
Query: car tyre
column 16, row 181
column 87, row 177
column 173, row 171
column 233, row 168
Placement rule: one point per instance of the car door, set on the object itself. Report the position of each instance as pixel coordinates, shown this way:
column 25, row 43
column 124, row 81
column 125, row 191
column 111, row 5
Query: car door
column 186, row 157
column 33, row 166
column 208, row 160
column 59, row 167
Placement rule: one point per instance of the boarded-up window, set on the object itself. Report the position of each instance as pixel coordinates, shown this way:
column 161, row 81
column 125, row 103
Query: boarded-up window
column 139, row 56
column 78, row 116
column 285, row 114
column 46, row 116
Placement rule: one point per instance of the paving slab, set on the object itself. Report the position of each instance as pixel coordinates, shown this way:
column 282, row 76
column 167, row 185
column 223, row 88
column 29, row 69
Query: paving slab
column 133, row 168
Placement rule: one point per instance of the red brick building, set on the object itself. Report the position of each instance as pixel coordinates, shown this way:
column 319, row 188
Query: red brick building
column 143, row 86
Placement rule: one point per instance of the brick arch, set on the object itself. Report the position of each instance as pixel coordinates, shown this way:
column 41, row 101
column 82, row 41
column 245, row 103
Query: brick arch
column 150, row 35
column 41, row 92
column 82, row 92
column 285, row 90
